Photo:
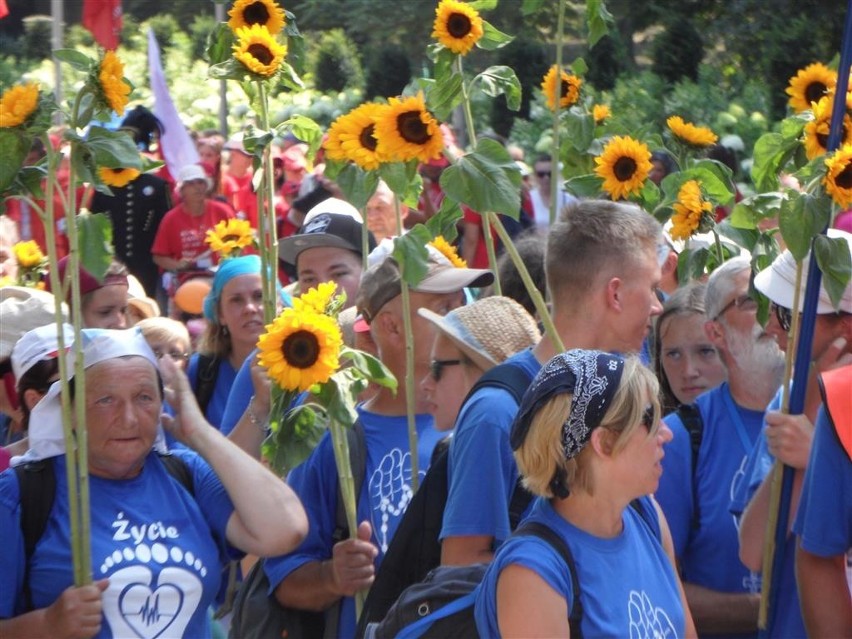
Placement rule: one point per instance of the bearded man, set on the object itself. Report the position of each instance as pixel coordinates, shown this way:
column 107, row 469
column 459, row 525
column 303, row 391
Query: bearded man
column 696, row 488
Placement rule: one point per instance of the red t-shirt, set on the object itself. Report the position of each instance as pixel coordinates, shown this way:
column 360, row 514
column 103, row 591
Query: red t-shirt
column 181, row 236
column 238, row 192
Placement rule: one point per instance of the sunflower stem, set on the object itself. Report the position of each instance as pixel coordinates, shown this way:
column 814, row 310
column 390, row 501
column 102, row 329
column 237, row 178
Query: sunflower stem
column 717, row 243
column 555, row 172
column 365, row 239
column 535, row 294
column 468, row 112
column 409, row 363
column 266, row 219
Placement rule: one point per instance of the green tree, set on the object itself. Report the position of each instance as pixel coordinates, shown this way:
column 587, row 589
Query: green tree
column 338, row 63
column 388, row 71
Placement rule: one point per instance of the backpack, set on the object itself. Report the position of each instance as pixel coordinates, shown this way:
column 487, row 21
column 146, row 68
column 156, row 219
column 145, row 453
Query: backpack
column 690, row 416
column 258, row 615
column 441, row 606
column 415, row 549
column 208, row 372
column 37, row 490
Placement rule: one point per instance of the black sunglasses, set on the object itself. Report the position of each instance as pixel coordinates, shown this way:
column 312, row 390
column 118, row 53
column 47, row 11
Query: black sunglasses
column 783, row 315
column 436, row 367
column 543, row 174
column 648, row 419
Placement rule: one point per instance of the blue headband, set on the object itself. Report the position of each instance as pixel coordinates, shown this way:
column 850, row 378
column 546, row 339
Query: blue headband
column 228, row 270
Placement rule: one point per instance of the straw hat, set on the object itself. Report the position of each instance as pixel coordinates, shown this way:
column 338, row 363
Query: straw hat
column 489, row 330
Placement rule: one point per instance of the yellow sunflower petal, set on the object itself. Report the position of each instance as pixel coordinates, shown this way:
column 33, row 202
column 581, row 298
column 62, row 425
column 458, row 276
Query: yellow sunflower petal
column 816, row 131
column 624, row 165
column 116, row 90
column 809, row 85
column 688, row 210
column 266, row 13
column 351, row 137
column 690, row 134
column 17, row 104
column 28, row 254
column 117, row 177
column 838, row 176
column 565, row 86
column 310, row 344
column 600, row 112
column 457, row 26
column 448, row 251
column 229, row 236
column 407, row 131
column 258, row 50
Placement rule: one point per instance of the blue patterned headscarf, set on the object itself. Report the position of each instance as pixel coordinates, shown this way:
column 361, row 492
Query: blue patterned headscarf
column 592, row 377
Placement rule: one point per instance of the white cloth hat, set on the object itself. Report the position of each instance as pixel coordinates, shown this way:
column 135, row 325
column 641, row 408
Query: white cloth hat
column 39, row 344
column 778, row 282
column 21, row 310
column 46, row 436
column 192, row 172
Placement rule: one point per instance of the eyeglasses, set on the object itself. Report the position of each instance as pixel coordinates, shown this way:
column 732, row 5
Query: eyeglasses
column 436, row 367
column 175, row 355
column 783, row 315
column 648, row 420
column 744, row 302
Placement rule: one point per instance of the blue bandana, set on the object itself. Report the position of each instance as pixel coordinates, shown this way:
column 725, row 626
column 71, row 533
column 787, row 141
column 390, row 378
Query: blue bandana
column 228, row 270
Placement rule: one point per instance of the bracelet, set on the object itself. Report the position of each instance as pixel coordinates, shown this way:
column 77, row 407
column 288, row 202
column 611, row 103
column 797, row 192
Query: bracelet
column 253, row 418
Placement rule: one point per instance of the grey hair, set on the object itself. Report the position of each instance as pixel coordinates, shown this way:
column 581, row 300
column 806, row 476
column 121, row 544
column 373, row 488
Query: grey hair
column 721, row 285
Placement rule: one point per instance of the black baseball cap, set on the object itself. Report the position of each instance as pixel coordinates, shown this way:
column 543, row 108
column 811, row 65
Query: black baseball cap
column 332, row 222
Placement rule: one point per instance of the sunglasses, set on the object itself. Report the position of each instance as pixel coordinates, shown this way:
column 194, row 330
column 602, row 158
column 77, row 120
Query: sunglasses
column 543, row 174
column 743, row 302
column 436, row 367
column 783, row 315
column 648, row 420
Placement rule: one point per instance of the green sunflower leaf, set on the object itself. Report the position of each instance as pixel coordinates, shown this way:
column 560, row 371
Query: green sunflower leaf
column 583, row 186
column 14, row 146
column 287, row 76
column 95, row 236
column 529, row 7
column 579, row 129
column 409, row 251
column 402, row 178
column 486, row 180
column 501, row 80
column 599, row 20
column 357, row 185
column 370, row 367
column 443, row 95
column 304, row 128
column 835, row 262
column 229, row 69
column 75, row 59
column 31, row 178
column 691, row 263
column 483, row 5
column 445, row 221
column 113, row 149
column 750, row 210
column 801, row 219
column 746, row 238
column 444, row 63
column 492, row 38
column 771, row 152
column 220, row 43
column 293, row 438
column 579, row 67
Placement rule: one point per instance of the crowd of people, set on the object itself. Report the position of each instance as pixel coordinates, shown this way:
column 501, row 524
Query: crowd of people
column 643, row 441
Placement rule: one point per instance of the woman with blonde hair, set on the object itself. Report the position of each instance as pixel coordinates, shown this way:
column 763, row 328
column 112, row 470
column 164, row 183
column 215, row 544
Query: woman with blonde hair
column 588, row 440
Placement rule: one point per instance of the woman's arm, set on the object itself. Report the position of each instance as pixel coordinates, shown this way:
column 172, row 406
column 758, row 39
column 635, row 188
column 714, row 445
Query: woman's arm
column 268, row 517
column 668, row 547
column 77, row 614
column 528, row 607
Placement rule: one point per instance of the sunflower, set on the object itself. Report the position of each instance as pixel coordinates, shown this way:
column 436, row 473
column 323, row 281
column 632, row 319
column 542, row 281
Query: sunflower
column 838, row 176
column 300, row 349
column 568, row 91
column 258, row 50
column 449, row 251
column 28, row 254
column 111, row 80
column 624, row 165
column 698, row 136
column 17, row 104
column 229, row 236
column 816, row 131
column 809, row 85
column 266, row 13
column 352, row 137
column 689, row 209
column 457, row 26
column 117, row 177
column 316, row 300
column 600, row 112
column 406, row 131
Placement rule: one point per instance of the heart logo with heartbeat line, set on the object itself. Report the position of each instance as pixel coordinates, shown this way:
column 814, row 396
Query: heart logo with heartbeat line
column 150, row 612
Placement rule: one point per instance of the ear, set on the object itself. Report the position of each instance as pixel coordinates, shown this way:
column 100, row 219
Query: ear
column 32, row 397
column 615, row 294
column 715, row 333
column 388, row 324
column 602, row 440
column 670, row 265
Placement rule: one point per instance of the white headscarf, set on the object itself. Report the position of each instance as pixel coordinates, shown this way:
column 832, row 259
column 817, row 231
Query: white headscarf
column 46, row 437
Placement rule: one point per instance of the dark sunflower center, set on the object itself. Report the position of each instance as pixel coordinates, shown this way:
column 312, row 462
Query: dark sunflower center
column 301, row 349
column 814, row 91
column 844, row 178
column 564, row 89
column 230, row 238
column 261, row 53
column 367, row 140
column 458, row 25
column 117, row 171
column 624, row 168
column 256, row 13
column 411, row 127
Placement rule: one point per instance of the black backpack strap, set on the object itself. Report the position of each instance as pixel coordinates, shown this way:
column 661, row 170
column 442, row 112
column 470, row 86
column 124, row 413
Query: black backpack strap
column 518, row 504
column 208, row 372
column 649, row 516
column 37, row 488
column 690, row 416
column 178, row 469
column 537, row 529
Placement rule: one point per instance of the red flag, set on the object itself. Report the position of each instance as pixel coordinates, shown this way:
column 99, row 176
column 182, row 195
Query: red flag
column 103, row 19
column 4, row 9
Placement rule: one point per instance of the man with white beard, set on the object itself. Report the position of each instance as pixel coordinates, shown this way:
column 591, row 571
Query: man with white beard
column 702, row 471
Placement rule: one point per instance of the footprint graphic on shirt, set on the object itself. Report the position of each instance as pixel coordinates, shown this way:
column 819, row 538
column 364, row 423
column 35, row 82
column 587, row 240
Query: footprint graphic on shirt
column 153, row 590
column 646, row 621
column 390, row 493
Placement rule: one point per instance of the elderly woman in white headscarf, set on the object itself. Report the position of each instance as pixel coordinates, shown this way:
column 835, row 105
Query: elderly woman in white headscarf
column 161, row 525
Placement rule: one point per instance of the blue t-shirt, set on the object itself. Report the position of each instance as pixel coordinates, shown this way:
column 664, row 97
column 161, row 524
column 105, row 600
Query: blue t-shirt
column 160, row 547
column 629, row 586
column 242, row 389
column 824, row 520
column 385, row 494
column 221, row 390
column 709, row 552
column 481, row 469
